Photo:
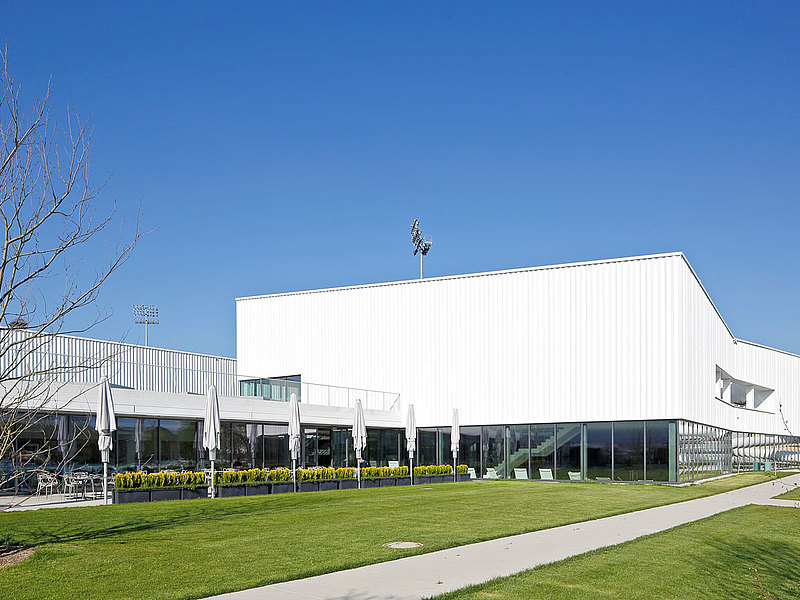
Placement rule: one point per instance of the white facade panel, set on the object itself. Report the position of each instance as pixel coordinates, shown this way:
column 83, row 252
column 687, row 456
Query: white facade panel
column 624, row 339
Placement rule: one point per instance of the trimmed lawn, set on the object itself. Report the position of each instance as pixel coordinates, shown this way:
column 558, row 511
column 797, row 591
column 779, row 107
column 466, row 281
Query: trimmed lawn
column 792, row 494
column 712, row 559
column 195, row 548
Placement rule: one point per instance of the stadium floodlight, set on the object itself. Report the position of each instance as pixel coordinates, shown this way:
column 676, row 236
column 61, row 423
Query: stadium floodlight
column 145, row 314
column 421, row 245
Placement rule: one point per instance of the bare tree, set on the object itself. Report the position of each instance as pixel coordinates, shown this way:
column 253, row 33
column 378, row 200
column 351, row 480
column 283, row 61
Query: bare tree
column 50, row 213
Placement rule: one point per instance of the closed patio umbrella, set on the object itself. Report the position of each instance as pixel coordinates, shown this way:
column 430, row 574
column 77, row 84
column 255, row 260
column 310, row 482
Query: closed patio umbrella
column 455, row 437
column 105, row 424
column 411, row 439
column 359, row 437
column 138, row 441
column 252, row 436
column 64, row 440
column 211, row 429
column 294, row 435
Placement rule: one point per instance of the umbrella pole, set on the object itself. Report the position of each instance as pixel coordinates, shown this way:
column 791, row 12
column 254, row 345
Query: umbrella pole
column 294, row 474
column 212, row 477
column 454, row 466
column 358, row 474
column 411, row 467
column 105, row 483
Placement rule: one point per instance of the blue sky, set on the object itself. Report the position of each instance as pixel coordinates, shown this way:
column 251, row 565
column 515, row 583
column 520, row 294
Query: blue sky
column 288, row 146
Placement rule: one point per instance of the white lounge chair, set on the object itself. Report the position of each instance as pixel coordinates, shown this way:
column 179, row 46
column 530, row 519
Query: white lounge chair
column 546, row 474
column 491, row 473
column 47, row 482
column 394, row 464
column 472, row 473
column 574, row 475
column 520, row 473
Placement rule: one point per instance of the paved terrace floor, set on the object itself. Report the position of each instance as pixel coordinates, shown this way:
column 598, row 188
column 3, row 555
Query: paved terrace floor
column 427, row 575
column 35, row 502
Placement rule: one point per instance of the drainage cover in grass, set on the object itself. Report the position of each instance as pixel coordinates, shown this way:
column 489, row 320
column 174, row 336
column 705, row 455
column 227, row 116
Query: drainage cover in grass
column 403, row 545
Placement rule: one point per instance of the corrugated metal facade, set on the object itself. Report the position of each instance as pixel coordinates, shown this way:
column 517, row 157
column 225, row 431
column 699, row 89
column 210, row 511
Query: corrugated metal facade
column 624, row 339
column 82, row 360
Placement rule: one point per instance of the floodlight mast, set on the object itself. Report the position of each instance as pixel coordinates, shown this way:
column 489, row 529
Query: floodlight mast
column 145, row 314
column 421, row 244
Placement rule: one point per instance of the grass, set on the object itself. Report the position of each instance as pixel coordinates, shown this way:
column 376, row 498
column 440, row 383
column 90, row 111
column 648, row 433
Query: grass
column 712, row 559
column 195, row 548
column 792, row 494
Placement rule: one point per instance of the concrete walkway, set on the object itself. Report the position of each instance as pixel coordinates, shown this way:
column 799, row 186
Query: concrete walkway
column 427, row 575
column 34, row 502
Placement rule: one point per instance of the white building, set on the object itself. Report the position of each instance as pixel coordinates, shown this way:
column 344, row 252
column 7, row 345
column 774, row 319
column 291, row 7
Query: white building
column 632, row 339
column 620, row 369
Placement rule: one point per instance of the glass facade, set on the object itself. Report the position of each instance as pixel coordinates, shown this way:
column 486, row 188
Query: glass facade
column 629, row 451
column 597, row 457
column 543, row 443
column 568, row 450
column 469, row 448
column 518, row 449
column 661, row 454
column 494, row 441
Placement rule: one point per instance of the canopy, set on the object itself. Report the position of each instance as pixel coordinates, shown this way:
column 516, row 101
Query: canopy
column 294, row 427
column 411, row 431
column 455, row 434
column 211, row 425
column 359, row 430
column 106, row 421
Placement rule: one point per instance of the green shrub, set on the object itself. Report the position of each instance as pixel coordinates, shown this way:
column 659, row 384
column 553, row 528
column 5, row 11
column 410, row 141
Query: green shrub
column 345, row 473
column 279, row 474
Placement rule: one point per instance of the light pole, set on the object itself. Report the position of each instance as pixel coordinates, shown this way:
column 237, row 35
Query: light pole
column 421, row 244
column 145, row 314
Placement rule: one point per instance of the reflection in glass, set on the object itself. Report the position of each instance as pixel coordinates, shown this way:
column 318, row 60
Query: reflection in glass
column 426, row 447
column 518, row 450
column 629, row 451
column 470, row 448
column 178, row 451
column 568, row 452
column 597, row 448
column 494, row 449
column 661, row 451
column 543, row 438
column 276, row 446
column 86, row 453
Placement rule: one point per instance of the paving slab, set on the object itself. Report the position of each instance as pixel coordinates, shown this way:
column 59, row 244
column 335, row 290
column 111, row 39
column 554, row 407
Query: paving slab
column 427, row 575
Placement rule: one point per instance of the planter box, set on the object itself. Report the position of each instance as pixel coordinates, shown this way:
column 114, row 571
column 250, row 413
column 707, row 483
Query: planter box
column 387, row 481
column 129, row 496
column 228, row 491
column 165, row 494
column 308, row 486
column 438, row 478
column 280, row 487
column 347, row 484
column 403, row 481
column 422, row 479
column 463, row 477
column 194, row 493
column 328, row 484
column 258, row 489
column 370, row 483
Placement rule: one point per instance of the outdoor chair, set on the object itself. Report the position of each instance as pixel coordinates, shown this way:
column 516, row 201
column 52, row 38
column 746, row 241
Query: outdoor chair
column 472, row 473
column 574, row 475
column 546, row 474
column 607, row 479
column 394, row 464
column 74, row 485
column 491, row 473
column 47, row 482
column 520, row 473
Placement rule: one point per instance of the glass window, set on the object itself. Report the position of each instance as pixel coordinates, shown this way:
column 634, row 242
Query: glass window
column 661, row 451
column 86, row 454
column 276, row 446
column 177, row 442
column 494, row 449
column 390, row 443
column 543, row 438
column 373, row 452
column 470, row 448
column 342, row 448
column 568, row 450
column 310, row 446
column 629, row 451
column 223, row 460
column 445, row 455
column 426, row 447
column 597, row 448
column 518, row 449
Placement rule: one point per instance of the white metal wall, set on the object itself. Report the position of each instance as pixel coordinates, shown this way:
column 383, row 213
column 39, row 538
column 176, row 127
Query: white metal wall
column 83, row 360
column 633, row 338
